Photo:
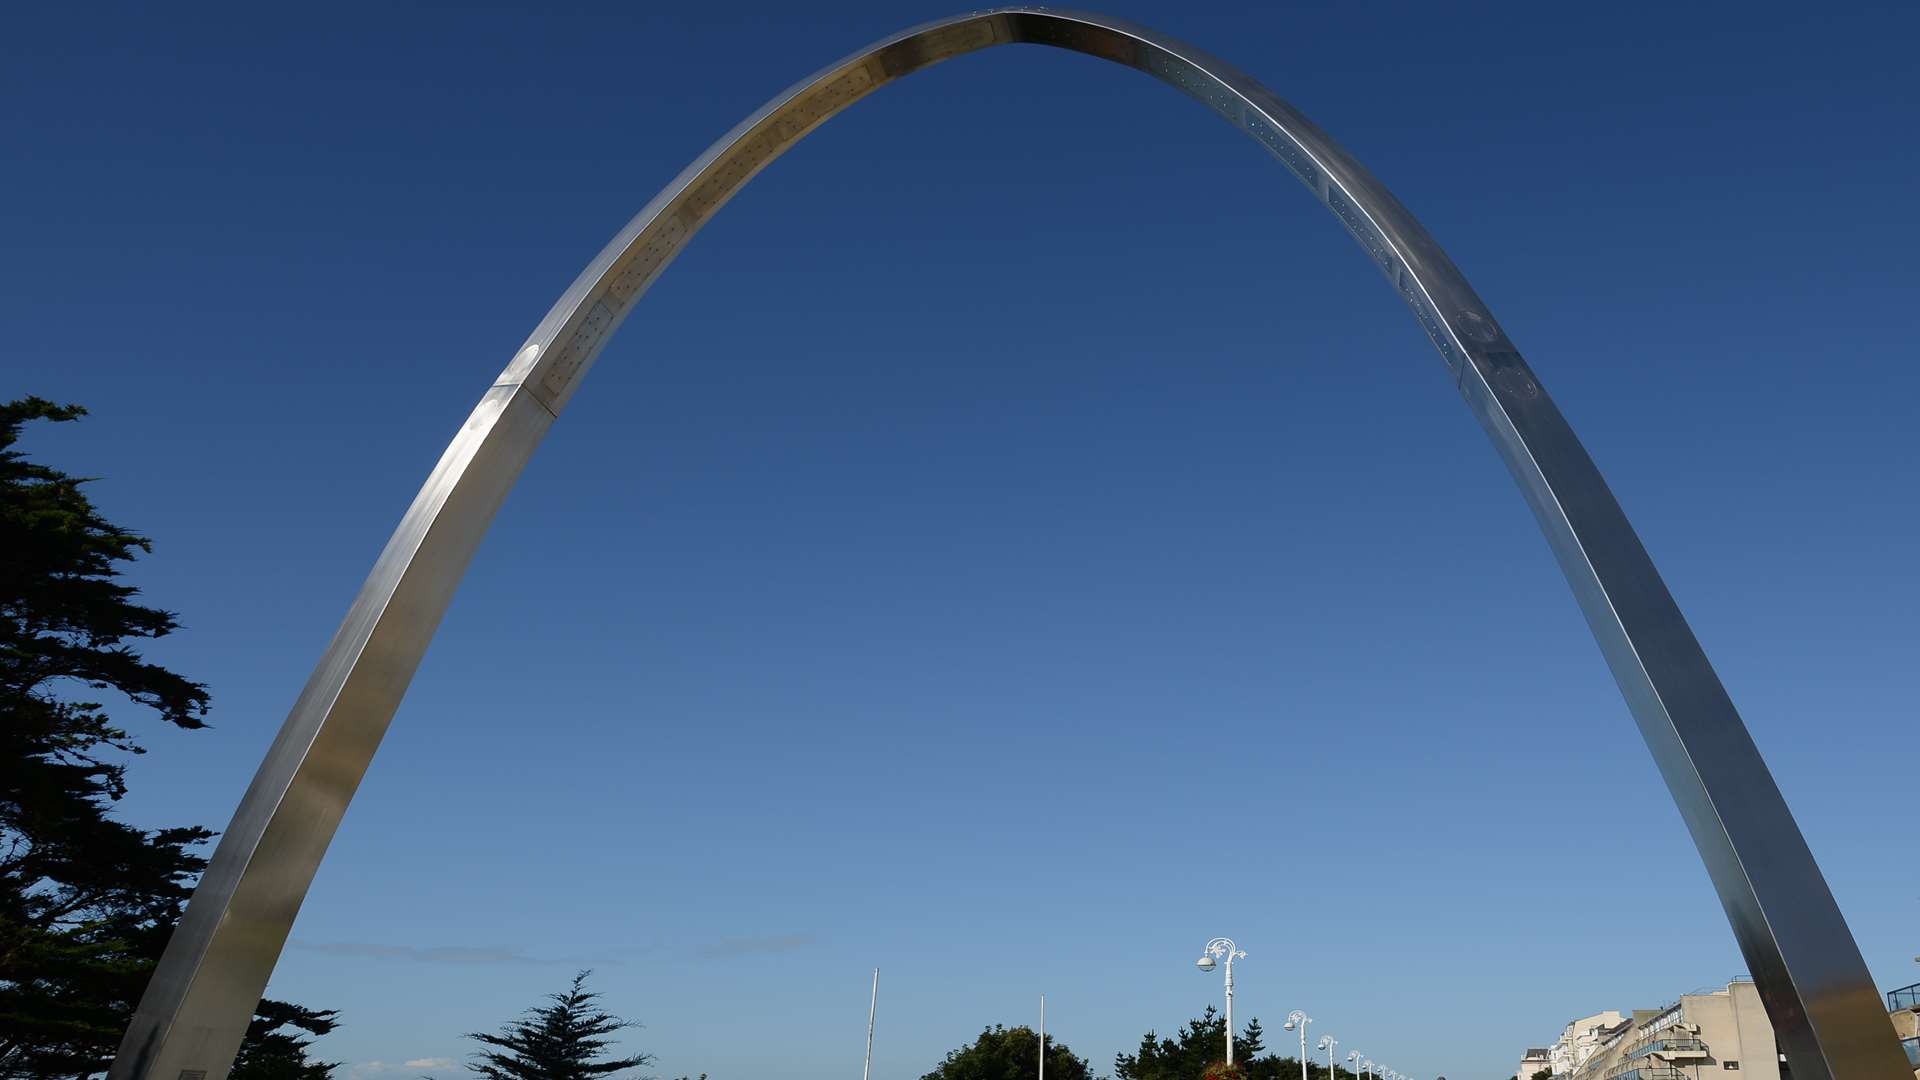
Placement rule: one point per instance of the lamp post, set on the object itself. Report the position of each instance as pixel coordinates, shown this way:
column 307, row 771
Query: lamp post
column 1327, row 1043
column 1300, row 1020
column 1353, row 1062
column 1366, row 1068
column 1225, row 949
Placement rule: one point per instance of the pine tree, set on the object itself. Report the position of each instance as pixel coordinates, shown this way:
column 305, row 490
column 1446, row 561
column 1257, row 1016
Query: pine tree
column 564, row 1040
column 87, row 901
column 271, row 1052
column 1251, row 1045
column 1198, row 1052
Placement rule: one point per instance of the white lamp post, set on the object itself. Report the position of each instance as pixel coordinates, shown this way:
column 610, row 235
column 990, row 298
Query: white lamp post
column 1366, row 1068
column 1300, row 1020
column 1327, row 1043
column 1224, row 948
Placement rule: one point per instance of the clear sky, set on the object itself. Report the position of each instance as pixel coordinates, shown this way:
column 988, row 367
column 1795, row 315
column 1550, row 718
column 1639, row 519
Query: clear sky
column 1022, row 537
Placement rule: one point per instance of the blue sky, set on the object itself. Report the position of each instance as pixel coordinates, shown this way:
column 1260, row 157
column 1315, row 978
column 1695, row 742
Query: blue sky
column 1021, row 538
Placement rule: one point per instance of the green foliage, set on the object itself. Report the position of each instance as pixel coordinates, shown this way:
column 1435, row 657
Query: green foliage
column 1190, row 1052
column 1003, row 1053
column 272, row 1052
column 1543, row 1074
column 1198, row 1052
column 86, row 901
column 564, row 1040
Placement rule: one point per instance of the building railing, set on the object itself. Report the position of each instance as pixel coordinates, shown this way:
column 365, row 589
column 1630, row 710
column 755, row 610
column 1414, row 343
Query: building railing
column 1646, row 1034
column 1907, row 997
column 1912, row 1047
column 1668, row 1046
column 1651, row 1072
column 1668, row 1015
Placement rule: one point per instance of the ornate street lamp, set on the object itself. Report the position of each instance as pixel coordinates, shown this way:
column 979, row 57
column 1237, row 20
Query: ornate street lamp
column 1327, row 1043
column 1225, row 949
column 1300, row 1020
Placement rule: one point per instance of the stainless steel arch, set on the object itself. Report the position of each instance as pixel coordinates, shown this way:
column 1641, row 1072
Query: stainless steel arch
column 1816, row 987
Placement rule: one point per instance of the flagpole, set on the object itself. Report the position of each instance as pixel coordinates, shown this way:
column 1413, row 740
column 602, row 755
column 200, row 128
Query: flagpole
column 873, row 1005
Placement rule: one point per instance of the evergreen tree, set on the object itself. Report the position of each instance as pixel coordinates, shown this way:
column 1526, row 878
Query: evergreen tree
column 86, row 901
column 1003, row 1053
column 1198, row 1052
column 1252, row 1044
column 272, row 1053
column 564, row 1040
column 1199, row 1044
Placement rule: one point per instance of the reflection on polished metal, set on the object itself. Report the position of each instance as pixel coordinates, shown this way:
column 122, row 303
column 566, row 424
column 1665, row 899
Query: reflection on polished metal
column 1817, row 990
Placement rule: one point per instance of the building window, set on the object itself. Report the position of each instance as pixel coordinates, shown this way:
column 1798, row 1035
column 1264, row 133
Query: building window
column 1731, row 1066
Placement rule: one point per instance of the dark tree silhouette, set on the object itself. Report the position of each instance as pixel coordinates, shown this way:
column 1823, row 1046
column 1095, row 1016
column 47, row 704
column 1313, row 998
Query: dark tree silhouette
column 1199, row 1044
column 1198, row 1052
column 564, row 1040
column 86, row 901
column 276, row 1044
column 1003, row 1053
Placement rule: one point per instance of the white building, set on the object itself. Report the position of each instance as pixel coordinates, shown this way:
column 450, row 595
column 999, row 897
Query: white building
column 1701, row 1036
column 1903, row 1007
column 1579, row 1039
column 1531, row 1062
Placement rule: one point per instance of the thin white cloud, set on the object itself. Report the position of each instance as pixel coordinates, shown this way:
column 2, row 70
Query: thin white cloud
column 387, row 1070
column 764, row 946
column 431, row 954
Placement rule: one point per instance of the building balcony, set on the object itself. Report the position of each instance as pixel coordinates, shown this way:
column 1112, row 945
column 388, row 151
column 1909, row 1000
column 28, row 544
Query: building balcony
column 1907, row 997
column 1672, row 1050
column 1912, row 1047
column 1651, row 1072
